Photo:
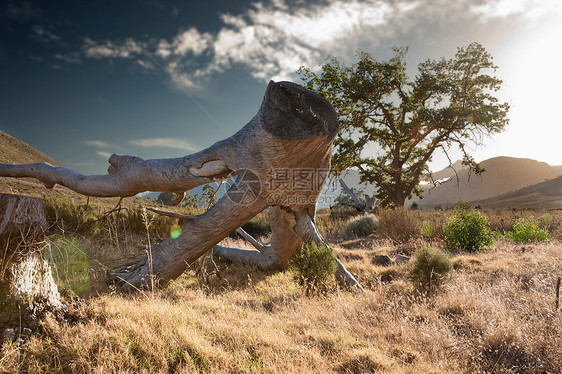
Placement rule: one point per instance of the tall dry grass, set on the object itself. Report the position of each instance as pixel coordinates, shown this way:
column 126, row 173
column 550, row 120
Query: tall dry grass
column 495, row 315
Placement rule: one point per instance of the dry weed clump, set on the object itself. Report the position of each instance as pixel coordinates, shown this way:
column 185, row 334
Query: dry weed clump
column 330, row 222
column 360, row 226
column 399, row 225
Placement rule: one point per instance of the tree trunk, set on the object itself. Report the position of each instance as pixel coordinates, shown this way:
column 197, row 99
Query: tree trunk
column 281, row 159
column 25, row 278
column 368, row 206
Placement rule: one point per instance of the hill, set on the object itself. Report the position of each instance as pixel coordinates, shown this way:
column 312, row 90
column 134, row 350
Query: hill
column 545, row 195
column 503, row 175
column 15, row 151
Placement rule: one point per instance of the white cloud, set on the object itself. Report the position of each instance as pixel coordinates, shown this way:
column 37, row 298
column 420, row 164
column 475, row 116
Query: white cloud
column 145, row 64
column 104, row 145
column 71, row 58
column 191, row 41
column 164, row 143
column 44, row 35
column 107, row 49
column 527, row 8
column 98, row 143
column 272, row 40
column 104, row 154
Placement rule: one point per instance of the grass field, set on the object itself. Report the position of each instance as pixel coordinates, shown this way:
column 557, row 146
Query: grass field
column 495, row 313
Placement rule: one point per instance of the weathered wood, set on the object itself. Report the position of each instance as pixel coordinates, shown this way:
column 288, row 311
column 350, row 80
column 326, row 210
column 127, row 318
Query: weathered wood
column 22, row 218
column 22, row 227
column 281, row 159
column 368, row 206
column 22, row 224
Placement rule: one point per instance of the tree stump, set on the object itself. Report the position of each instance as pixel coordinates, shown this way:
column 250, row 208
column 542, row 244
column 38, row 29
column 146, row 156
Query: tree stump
column 25, row 277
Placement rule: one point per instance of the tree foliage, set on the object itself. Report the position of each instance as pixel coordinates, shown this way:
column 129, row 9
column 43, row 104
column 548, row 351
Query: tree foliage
column 166, row 198
column 449, row 102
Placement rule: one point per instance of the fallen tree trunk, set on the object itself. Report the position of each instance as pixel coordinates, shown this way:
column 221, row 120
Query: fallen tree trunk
column 367, row 206
column 281, row 159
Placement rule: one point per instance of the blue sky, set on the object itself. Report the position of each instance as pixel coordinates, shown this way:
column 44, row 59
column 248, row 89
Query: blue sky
column 157, row 79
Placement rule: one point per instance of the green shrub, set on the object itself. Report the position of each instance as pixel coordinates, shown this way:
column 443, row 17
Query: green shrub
column 430, row 268
column 360, row 226
column 314, row 266
column 527, row 231
column 469, row 231
column 545, row 221
column 427, row 230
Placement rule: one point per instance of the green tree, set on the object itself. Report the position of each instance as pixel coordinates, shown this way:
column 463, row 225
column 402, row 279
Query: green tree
column 166, row 198
column 449, row 102
column 209, row 196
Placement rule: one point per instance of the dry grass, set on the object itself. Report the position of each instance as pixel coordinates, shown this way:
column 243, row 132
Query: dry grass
column 496, row 315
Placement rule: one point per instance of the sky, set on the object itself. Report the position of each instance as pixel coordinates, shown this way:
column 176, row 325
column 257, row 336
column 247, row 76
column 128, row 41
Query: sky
column 159, row 79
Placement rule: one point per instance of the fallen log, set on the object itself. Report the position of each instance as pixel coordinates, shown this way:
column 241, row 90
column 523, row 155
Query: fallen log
column 281, row 160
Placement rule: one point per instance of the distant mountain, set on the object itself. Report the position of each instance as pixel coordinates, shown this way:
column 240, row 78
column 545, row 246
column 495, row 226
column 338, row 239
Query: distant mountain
column 502, row 175
column 449, row 171
column 15, row 151
column 545, row 195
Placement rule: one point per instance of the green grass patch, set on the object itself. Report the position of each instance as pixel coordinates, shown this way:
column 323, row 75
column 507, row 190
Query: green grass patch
column 72, row 265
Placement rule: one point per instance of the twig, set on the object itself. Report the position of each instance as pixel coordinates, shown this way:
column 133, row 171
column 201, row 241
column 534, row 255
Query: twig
column 146, row 225
column 557, row 293
column 171, row 214
column 249, row 238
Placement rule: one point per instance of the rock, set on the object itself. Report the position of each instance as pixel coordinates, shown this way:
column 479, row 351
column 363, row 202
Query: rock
column 401, row 258
column 25, row 332
column 31, row 323
column 9, row 335
column 382, row 260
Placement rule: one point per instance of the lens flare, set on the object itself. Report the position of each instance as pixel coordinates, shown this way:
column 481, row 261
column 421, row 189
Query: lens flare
column 175, row 231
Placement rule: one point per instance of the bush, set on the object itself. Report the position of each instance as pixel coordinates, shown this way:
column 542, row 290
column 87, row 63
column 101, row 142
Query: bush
column 430, row 268
column 527, row 231
column 399, row 225
column 469, row 231
column 315, row 267
column 360, row 226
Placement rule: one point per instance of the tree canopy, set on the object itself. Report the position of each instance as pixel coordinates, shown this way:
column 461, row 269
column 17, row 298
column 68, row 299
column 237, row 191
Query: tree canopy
column 449, row 102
